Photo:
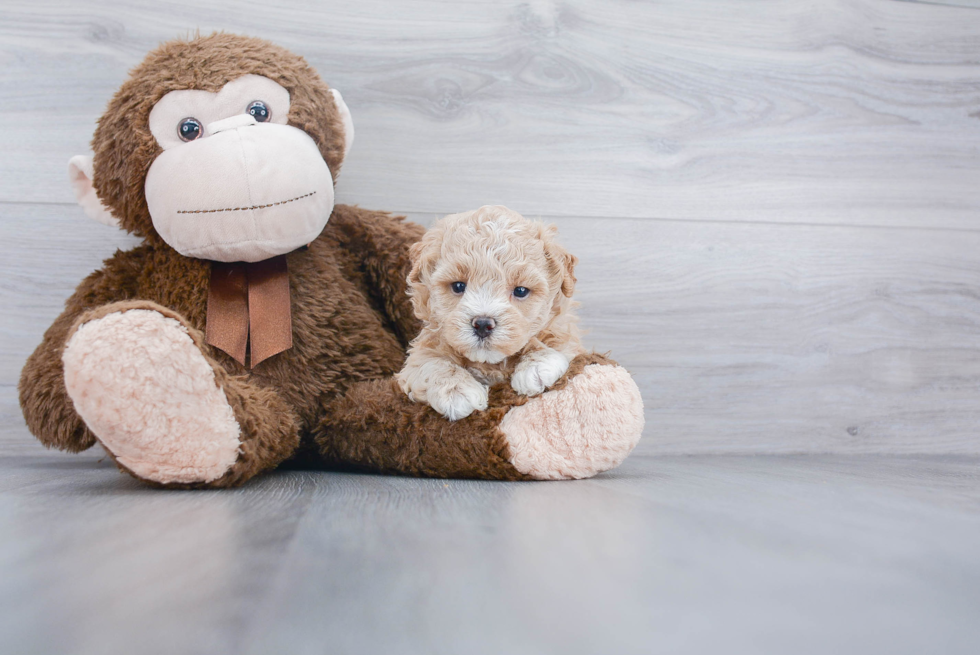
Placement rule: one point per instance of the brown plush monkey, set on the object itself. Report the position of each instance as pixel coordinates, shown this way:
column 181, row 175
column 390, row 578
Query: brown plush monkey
column 257, row 320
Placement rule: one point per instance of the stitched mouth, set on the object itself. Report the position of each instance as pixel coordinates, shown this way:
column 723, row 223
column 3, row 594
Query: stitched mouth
column 242, row 209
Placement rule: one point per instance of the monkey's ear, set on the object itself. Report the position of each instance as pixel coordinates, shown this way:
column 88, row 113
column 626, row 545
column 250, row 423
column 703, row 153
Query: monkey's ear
column 344, row 116
column 80, row 173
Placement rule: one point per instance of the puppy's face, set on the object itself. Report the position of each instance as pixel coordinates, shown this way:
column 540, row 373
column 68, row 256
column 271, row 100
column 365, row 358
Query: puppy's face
column 488, row 281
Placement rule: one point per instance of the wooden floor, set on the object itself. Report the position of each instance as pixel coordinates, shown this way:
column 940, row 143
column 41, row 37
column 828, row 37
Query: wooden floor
column 668, row 554
column 776, row 206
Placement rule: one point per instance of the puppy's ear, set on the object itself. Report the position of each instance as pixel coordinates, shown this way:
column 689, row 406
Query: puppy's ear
column 562, row 262
column 415, row 255
column 423, row 255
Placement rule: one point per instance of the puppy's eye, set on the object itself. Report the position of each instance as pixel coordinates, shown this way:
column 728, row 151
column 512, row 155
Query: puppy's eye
column 189, row 129
column 458, row 287
column 521, row 292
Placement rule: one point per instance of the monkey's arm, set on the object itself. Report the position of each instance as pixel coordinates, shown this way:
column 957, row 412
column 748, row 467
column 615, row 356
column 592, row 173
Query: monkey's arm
column 48, row 410
column 380, row 242
column 587, row 422
column 375, row 427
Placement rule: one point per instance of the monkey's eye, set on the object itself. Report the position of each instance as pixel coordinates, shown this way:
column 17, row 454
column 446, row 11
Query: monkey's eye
column 458, row 287
column 189, row 129
column 259, row 111
column 521, row 292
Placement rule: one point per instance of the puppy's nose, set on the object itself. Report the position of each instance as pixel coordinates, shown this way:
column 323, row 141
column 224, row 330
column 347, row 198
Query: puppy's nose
column 483, row 326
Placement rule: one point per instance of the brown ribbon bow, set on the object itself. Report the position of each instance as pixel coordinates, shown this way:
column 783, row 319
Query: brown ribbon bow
column 250, row 303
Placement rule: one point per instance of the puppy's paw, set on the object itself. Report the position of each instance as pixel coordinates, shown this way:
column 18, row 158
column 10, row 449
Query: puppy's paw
column 537, row 371
column 458, row 396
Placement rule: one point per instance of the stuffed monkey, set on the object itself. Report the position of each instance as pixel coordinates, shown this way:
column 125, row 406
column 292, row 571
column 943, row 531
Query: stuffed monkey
column 257, row 320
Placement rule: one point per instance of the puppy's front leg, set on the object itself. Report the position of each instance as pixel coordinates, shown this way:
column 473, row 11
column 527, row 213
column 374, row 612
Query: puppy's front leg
column 538, row 370
column 449, row 389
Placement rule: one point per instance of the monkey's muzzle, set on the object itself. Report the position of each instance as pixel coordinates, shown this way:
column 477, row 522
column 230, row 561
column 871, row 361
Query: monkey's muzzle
column 245, row 192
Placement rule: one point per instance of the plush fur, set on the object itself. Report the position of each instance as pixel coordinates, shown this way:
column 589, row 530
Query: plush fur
column 602, row 422
column 124, row 154
column 383, row 430
column 491, row 251
column 141, row 382
column 132, row 333
column 352, row 320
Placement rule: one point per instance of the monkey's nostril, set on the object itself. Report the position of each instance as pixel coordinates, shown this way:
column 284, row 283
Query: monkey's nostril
column 483, row 326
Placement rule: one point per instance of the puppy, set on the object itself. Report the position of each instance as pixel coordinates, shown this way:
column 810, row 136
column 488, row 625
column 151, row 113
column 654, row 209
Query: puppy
column 494, row 292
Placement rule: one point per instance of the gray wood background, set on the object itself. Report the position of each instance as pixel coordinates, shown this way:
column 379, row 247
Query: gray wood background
column 776, row 204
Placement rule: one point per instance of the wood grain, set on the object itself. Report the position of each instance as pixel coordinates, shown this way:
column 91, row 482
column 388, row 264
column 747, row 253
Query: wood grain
column 742, row 337
column 859, row 112
column 770, row 330
column 665, row 555
column 768, row 554
column 953, row 3
column 765, row 338
column 120, row 567
column 775, row 207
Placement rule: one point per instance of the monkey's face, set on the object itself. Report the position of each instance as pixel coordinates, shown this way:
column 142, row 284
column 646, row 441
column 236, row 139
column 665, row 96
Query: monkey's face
column 235, row 182
column 226, row 147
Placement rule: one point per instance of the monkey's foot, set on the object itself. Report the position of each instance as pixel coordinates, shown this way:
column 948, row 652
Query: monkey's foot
column 588, row 426
column 147, row 392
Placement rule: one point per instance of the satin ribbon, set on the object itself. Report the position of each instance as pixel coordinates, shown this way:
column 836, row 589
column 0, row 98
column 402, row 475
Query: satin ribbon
column 248, row 305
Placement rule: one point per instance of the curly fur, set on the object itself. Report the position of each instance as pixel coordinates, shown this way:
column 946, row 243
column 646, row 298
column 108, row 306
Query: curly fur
column 492, row 250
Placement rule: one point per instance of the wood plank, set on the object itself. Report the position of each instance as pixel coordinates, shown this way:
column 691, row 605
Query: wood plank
column 776, row 338
column 767, row 554
column 835, row 111
column 742, row 337
column 91, row 561
column 975, row 4
column 666, row 555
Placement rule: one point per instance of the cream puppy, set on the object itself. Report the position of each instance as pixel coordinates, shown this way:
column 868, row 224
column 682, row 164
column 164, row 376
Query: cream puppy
column 494, row 292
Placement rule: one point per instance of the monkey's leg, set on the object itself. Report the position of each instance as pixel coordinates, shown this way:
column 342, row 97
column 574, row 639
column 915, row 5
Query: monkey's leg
column 139, row 377
column 588, row 422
